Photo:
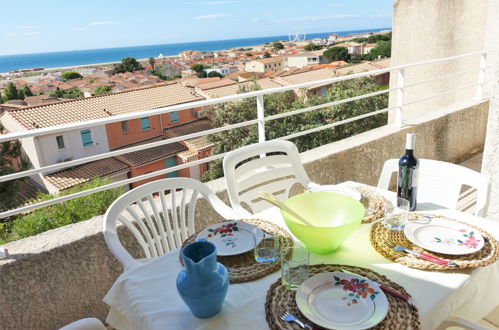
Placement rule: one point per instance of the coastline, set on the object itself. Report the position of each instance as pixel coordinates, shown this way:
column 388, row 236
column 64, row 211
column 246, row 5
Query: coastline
column 44, row 60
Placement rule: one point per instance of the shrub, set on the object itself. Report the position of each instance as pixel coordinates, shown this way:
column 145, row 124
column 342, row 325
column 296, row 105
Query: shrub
column 58, row 215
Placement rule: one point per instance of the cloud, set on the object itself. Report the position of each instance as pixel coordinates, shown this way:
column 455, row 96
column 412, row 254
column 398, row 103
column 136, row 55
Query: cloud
column 212, row 3
column 103, row 23
column 10, row 34
column 336, row 4
column 82, row 29
column 30, row 27
column 211, row 16
column 34, row 33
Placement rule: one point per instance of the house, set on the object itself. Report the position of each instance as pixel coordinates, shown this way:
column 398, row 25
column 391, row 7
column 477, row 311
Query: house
column 368, row 47
column 222, row 70
column 312, row 75
column 353, row 47
column 265, row 64
column 302, row 59
column 79, row 143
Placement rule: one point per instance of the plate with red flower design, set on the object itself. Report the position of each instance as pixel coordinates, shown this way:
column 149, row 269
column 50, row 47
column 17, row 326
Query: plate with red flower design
column 444, row 236
column 230, row 237
column 342, row 301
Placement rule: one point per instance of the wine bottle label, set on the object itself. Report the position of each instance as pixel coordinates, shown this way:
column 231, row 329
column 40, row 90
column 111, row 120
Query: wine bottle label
column 415, row 177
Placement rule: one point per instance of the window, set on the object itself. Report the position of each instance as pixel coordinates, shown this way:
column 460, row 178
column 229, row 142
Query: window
column 323, row 91
column 170, row 162
column 124, row 126
column 60, row 142
column 174, row 116
column 144, row 123
column 86, row 138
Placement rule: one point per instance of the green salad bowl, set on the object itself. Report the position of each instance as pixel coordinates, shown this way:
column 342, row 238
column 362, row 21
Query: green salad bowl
column 333, row 218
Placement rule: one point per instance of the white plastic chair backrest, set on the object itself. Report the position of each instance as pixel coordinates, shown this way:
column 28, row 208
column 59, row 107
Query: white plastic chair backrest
column 160, row 221
column 90, row 323
column 275, row 173
column 440, row 183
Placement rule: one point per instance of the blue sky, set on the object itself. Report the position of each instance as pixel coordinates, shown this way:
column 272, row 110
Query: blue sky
column 32, row 26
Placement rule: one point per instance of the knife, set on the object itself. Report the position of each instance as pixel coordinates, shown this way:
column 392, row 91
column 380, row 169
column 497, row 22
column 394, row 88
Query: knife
column 424, row 256
column 386, row 289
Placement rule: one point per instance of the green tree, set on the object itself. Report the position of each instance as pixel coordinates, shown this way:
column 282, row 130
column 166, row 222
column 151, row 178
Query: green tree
column 1, row 97
column 103, row 90
column 249, row 54
column 128, row 64
column 214, row 74
column 197, row 67
column 379, row 37
column 57, row 215
column 70, row 75
column 312, row 46
column 235, row 112
column 382, row 49
column 336, row 54
column 72, row 93
column 10, row 92
column 152, row 61
column 10, row 152
column 277, row 45
column 267, row 55
column 359, row 40
column 26, row 91
column 202, row 74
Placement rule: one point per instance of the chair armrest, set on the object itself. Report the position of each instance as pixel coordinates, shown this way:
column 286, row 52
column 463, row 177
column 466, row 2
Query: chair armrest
column 455, row 321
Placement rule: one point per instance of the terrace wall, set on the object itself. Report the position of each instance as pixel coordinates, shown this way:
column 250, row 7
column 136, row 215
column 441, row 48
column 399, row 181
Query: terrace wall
column 62, row 275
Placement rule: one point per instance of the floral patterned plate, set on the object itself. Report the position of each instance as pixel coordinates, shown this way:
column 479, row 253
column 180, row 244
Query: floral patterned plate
column 443, row 236
column 342, row 301
column 230, row 237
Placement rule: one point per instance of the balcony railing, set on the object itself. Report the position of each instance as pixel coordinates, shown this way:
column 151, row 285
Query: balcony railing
column 261, row 119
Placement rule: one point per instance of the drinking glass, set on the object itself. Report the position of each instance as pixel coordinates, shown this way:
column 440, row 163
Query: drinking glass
column 294, row 266
column 266, row 246
column 366, row 200
column 396, row 214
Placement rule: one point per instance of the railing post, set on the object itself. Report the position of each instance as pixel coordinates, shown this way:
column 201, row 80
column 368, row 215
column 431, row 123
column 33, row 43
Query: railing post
column 260, row 115
column 400, row 97
column 481, row 76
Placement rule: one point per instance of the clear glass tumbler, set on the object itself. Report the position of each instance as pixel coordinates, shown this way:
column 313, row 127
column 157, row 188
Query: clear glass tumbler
column 396, row 214
column 294, row 266
column 266, row 246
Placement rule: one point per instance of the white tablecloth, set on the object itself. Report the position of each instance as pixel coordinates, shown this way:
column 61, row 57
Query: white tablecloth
column 146, row 297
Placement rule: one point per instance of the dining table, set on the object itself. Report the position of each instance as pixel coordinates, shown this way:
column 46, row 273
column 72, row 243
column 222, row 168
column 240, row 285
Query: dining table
column 146, row 296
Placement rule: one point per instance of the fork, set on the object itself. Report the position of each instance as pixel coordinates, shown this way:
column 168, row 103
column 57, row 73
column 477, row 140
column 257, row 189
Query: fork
column 421, row 255
column 288, row 317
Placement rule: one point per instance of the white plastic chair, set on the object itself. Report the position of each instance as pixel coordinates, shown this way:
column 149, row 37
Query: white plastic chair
column 275, row 174
column 440, row 183
column 90, row 323
column 461, row 323
column 160, row 222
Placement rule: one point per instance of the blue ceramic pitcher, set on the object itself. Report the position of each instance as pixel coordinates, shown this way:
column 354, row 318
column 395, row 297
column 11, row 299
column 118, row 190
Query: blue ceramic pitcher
column 204, row 282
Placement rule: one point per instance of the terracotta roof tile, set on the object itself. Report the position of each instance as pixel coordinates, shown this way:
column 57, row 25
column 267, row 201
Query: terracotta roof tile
column 83, row 173
column 216, row 84
column 265, row 83
column 93, row 107
column 189, row 128
column 141, row 157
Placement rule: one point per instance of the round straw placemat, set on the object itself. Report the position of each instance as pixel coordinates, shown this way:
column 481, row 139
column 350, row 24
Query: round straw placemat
column 374, row 201
column 243, row 267
column 280, row 299
column 380, row 236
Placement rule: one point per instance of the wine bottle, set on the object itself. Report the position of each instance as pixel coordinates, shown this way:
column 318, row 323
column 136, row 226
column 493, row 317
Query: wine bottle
column 407, row 181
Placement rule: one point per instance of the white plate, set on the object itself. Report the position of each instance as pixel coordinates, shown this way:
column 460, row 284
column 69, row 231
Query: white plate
column 230, row 237
column 350, row 192
column 331, row 300
column 444, row 236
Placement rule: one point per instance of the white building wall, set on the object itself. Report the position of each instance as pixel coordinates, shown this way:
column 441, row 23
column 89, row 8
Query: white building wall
column 298, row 61
column 74, row 149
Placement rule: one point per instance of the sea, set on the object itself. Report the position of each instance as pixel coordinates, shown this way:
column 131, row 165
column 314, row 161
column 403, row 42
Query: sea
column 92, row 56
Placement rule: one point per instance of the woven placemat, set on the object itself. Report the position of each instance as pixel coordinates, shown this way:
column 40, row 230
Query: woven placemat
column 373, row 200
column 243, row 267
column 279, row 299
column 380, row 235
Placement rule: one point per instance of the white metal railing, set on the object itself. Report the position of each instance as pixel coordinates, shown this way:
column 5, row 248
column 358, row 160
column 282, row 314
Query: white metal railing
column 259, row 121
